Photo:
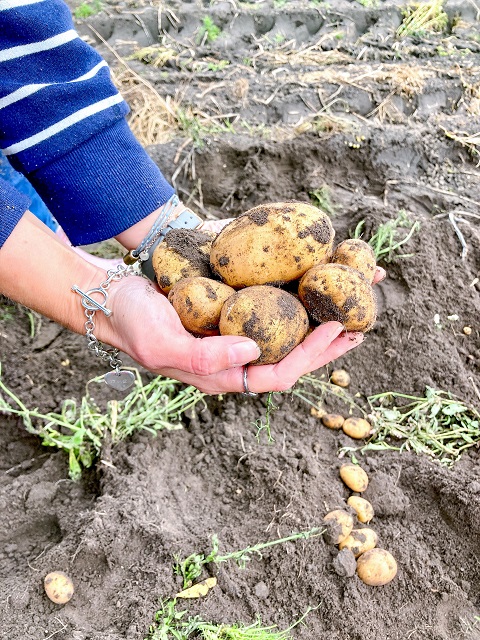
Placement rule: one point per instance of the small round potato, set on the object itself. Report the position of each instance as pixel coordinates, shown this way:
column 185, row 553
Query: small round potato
column 376, row 567
column 337, row 292
column 184, row 253
column 275, row 319
column 357, row 428
column 359, row 541
column 354, row 477
column 338, row 525
column 362, row 507
column 340, row 377
column 333, row 420
column 58, row 587
column 272, row 244
column 356, row 254
column 199, row 302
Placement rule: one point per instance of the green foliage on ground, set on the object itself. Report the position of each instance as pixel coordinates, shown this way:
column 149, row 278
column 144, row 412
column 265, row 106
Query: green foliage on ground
column 322, row 198
column 390, row 236
column 208, row 31
column 422, row 18
column 87, row 9
column 82, row 428
column 178, row 625
column 437, row 424
column 191, row 567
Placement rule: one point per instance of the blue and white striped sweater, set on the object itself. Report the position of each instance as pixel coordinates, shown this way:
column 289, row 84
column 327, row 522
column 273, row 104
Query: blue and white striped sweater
column 62, row 124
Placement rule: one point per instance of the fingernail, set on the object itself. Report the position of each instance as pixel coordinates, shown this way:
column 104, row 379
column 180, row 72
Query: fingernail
column 357, row 336
column 337, row 328
column 383, row 273
column 243, row 352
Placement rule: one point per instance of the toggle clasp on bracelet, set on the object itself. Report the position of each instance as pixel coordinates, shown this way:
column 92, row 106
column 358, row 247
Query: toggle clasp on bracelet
column 89, row 303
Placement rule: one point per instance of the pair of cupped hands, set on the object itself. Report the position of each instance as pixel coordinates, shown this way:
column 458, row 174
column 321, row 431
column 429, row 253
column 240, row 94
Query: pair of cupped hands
column 148, row 328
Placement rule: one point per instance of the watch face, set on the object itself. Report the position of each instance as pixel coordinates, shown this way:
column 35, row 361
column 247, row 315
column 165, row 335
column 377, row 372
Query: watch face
column 186, row 220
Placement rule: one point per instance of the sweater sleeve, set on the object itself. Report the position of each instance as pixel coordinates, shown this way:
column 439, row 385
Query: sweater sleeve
column 13, row 205
column 62, row 124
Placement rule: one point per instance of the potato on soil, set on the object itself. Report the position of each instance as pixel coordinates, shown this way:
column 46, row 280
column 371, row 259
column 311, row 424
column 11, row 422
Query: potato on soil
column 333, row 420
column 184, row 253
column 356, row 254
column 199, row 302
column 376, row 567
column 58, row 587
column 275, row 319
column 340, row 377
column 354, row 477
column 338, row 525
column 272, row 244
column 362, row 507
column 336, row 292
column 357, row 428
column 359, row 541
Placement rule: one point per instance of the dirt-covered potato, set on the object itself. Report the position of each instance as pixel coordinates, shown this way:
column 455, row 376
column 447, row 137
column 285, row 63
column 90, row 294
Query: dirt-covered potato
column 359, row 541
column 338, row 525
column 362, row 507
column 272, row 244
column 184, row 253
column 357, row 428
column 58, row 587
column 199, row 302
column 376, row 567
column 354, row 477
column 356, row 254
column 333, row 420
column 337, row 292
column 275, row 319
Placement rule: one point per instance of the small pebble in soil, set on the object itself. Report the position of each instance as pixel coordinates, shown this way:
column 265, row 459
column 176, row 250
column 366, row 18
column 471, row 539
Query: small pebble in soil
column 261, row 590
column 467, row 330
column 345, row 564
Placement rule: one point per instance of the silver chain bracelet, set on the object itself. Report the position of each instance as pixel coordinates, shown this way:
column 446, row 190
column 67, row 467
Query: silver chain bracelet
column 118, row 379
column 135, row 263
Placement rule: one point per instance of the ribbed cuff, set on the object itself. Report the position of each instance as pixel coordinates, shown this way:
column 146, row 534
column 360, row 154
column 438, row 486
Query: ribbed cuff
column 102, row 187
column 13, row 205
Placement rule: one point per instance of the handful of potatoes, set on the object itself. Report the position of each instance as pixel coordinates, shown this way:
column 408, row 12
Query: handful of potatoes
column 241, row 281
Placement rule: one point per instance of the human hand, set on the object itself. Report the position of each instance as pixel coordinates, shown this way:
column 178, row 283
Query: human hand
column 146, row 326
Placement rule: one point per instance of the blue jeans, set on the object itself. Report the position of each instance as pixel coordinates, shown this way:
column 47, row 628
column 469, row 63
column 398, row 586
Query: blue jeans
column 37, row 206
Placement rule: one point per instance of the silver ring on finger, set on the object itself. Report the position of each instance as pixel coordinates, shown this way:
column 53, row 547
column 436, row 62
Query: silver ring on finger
column 246, row 390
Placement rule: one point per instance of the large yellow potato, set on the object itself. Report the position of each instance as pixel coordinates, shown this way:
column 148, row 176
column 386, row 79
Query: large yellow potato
column 199, row 302
column 184, row 253
column 272, row 244
column 356, row 254
column 337, row 292
column 58, row 587
column 275, row 319
column 376, row 567
column 359, row 541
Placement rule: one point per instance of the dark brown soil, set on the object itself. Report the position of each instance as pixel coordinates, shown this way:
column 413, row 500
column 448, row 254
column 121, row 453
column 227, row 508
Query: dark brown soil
column 116, row 531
